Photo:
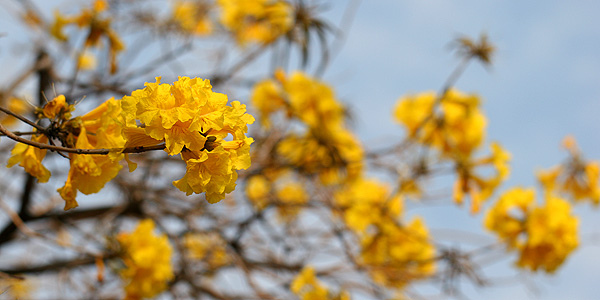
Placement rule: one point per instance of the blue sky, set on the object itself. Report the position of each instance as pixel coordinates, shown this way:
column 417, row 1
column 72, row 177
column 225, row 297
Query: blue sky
column 544, row 84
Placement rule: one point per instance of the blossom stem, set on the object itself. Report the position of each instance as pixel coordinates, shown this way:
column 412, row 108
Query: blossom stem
column 76, row 150
column 23, row 119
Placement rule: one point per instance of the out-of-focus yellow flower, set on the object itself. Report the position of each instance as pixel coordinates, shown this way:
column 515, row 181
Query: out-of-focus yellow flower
column 396, row 256
column 412, row 111
column 30, row 158
column 192, row 16
column 306, row 98
column 98, row 27
column 458, row 128
column 292, row 196
column 551, row 236
column 337, row 156
column 87, row 61
column 544, row 236
column 267, row 98
column 313, row 102
column 577, row 178
column 478, row 187
column 507, row 216
column 261, row 21
column 209, row 248
column 307, row 286
column 367, row 202
column 147, row 259
column 16, row 105
column 257, row 190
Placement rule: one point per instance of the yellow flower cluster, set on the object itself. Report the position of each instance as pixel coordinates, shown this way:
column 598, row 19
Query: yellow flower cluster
column 454, row 125
column 480, row 188
column 327, row 148
column 394, row 254
column 147, row 259
column 307, row 287
column 98, row 129
column 192, row 120
column 261, row 21
column 30, row 158
column 193, row 17
column 543, row 235
column 98, row 26
column 399, row 255
column 278, row 188
column 207, row 247
column 366, row 203
column 577, row 178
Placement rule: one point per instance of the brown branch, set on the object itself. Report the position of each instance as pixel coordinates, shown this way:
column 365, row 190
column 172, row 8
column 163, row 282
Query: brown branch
column 58, row 265
column 23, row 119
column 19, row 139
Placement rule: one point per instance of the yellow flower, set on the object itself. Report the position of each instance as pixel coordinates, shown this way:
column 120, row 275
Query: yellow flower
column 30, row 158
column 292, row 196
column 16, row 105
column 195, row 121
column 98, row 129
column 458, row 128
column 544, row 236
column 577, row 178
column 87, row 61
column 257, row 190
column 176, row 113
column 334, row 155
column 478, row 187
column 97, row 28
column 209, row 248
column 260, row 21
column 551, row 236
column 147, row 259
column 193, row 16
column 308, row 287
column 395, row 256
column 313, row 102
column 366, row 203
column 267, row 98
column 412, row 111
column 507, row 217
column 58, row 107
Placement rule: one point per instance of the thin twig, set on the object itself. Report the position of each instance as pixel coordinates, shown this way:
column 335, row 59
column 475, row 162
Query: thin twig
column 141, row 149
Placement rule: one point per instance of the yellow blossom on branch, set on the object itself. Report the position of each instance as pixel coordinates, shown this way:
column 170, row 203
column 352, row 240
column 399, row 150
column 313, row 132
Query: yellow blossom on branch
column 543, row 235
column 209, row 248
column 307, row 287
column 30, row 158
column 147, row 259
column 398, row 255
column 193, row 16
column 453, row 124
column 577, row 178
column 98, row 129
column 260, row 21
